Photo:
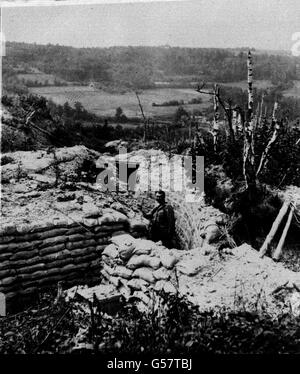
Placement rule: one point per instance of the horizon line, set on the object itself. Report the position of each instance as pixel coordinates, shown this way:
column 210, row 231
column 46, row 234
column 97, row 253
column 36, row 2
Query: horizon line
column 148, row 46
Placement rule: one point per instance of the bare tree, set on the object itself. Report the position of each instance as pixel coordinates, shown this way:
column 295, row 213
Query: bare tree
column 239, row 120
column 146, row 121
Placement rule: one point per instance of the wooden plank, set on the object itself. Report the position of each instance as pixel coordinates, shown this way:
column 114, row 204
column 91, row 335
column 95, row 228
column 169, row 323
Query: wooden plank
column 279, row 247
column 274, row 228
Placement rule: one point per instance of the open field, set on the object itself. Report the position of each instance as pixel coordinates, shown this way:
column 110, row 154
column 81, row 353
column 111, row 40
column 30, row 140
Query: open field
column 294, row 91
column 105, row 103
column 262, row 84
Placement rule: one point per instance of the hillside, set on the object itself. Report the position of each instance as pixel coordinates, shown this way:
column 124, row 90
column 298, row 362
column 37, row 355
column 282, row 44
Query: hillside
column 139, row 67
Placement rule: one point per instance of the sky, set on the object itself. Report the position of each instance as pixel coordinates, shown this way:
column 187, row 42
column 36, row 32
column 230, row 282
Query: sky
column 262, row 24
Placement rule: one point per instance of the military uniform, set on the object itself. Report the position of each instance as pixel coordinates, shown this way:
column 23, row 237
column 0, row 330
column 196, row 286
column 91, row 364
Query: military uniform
column 162, row 226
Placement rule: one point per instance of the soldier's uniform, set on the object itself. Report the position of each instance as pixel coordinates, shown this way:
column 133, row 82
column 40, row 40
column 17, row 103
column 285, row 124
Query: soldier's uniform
column 162, row 224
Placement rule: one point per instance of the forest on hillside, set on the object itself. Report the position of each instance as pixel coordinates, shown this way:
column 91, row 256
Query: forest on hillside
column 141, row 67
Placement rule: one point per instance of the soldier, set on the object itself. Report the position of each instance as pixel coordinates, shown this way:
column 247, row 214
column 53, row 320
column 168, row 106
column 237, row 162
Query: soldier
column 162, row 221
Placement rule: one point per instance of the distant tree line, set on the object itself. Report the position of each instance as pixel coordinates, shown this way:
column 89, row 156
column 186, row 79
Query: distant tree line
column 141, row 67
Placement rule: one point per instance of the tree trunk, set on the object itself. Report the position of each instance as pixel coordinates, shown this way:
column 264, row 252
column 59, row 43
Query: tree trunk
column 216, row 125
column 273, row 139
column 248, row 155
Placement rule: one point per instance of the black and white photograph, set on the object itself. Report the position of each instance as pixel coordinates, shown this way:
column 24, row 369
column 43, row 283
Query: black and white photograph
column 150, row 180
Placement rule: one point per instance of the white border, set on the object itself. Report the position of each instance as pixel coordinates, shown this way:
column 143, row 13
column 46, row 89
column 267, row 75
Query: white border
column 23, row 3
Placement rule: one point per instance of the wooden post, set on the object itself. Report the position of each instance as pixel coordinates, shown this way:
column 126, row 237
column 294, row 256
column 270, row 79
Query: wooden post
column 274, row 228
column 279, row 247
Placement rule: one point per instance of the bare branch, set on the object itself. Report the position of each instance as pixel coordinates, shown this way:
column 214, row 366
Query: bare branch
column 140, row 105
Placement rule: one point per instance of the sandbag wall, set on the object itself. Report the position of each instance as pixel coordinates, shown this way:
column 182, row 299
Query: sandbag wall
column 138, row 267
column 40, row 255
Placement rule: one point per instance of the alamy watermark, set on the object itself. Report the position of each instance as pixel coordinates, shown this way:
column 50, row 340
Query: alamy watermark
column 296, row 46
column 152, row 172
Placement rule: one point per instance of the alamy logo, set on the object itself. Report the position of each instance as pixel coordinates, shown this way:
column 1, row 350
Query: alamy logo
column 296, row 46
column 151, row 172
column 2, row 44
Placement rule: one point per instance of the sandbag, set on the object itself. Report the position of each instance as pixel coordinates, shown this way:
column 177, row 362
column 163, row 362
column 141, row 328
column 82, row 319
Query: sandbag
column 103, row 240
column 5, row 256
column 31, row 269
column 108, row 229
column 124, row 291
column 162, row 274
column 167, row 259
column 6, row 239
column 24, row 255
column 56, row 256
column 169, row 288
column 91, row 211
column 135, row 262
column 114, row 280
column 5, row 265
column 119, row 232
column 87, row 258
column 122, row 239
column 90, row 222
column 22, row 263
column 100, row 248
column 143, row 247
column 30, row 237
column 137, row 284
column 125, row 252
column 53, row 249
column 111, row 251
column 76, row 230
column 144, row 298
column 109, row 269
column 143, row 261
column 82, row 251
column 159, row 285
column 81, row 244
column 189, row 267
column 21, row 246
column 53, row 241
column 50, row 233
column 7, row 273
column 125, row 244
column 122, row 271
column 4, row 248
column 79, row 237
column 108, row 261
column 57, row 264
column 111, row 216
column 144, row 273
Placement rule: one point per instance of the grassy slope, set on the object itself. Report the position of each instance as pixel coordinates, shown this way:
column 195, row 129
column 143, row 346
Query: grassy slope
column 104, row 103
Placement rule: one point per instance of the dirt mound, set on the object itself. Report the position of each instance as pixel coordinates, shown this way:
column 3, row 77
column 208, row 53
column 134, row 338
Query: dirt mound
column 30, row 164
column 240, row 279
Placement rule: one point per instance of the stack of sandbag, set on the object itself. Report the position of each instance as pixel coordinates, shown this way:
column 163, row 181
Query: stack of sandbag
column 40, row 254
column 138, row 266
